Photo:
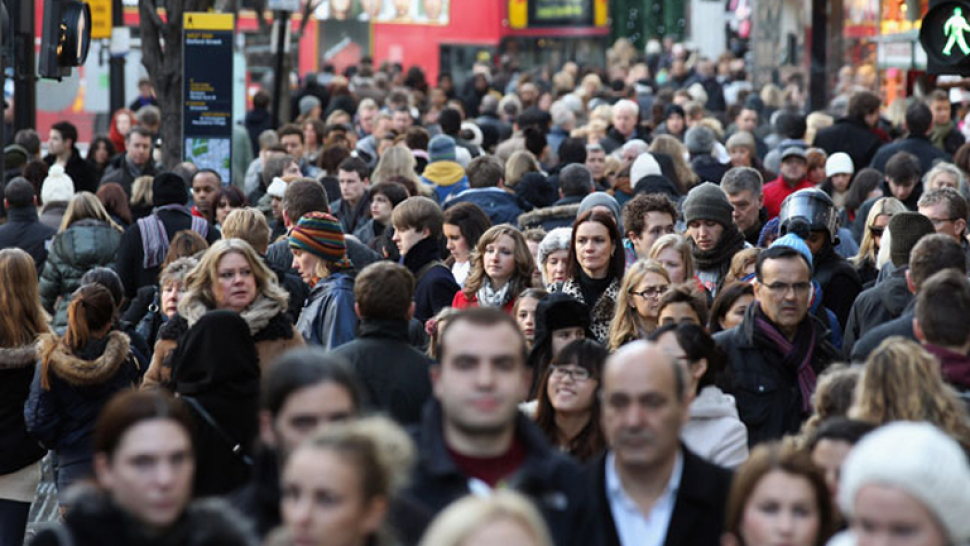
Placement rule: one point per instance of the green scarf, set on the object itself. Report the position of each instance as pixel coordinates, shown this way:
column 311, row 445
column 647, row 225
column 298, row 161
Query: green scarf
column 939, row 133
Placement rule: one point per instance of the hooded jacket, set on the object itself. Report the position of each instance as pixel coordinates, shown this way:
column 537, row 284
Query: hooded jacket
column 715, row 431
column 447, row 177
column 501, row 206
column 562, row 213
column 17, row 448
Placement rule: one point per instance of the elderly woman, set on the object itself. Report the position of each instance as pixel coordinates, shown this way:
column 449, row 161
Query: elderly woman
column 553, row 255
column 166, row 297
column 229, row 276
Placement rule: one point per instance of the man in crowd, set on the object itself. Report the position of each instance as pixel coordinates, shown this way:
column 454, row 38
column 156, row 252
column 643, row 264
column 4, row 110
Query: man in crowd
column 575, row 183
column 137, row 160
column 743, row 186
column 596, row 163
column 947, row 210
column 291, row 138
column 23, row 229
column 486, row 178
column 854, row 133
column 944, row 134
column 626, row 121
column 418, row 224
column 206, row 183
column 942, row 325
column 353, row 207
column 793, row 177
column 646, row 218
column 62, row 149
column 919, row 121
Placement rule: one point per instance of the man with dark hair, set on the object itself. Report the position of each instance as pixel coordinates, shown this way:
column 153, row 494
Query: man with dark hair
column 790, row 130
column 392, row 372
column 942, row 325
column 30, row 141
column 854, row 133
column 646, row 218
column 450, row 121
column 418, row 224
column 353, row 207
column 919, row 121
column 487, row 190
column 473, row 438
column 291, row 138
column 778, row 350
column 902, row 182
column 575, row 183
column 62, row 149
column 205, row 184
column 23, row 229
column 136, row 161
column 931, row 254
column 258, row 119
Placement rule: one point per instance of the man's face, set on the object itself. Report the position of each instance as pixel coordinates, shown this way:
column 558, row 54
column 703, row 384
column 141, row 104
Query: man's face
column 401, row 121
column 784, row 292
column 406, row 238
column 901, row 190
column 55, row 143
column 481, row 379
column 204, row 188
column 139, row 148
column 705, row 233
column 304, row 412
column 625, row 121
column 367, row 118
column 642, row 412
column 596, row 163
column 372, row 7
column 939, row 214
column 746, row 209
column 293, row 145
column 352, row 188
column 656, row 224
column 747, row 120
column 794, row 169
column 941, row 112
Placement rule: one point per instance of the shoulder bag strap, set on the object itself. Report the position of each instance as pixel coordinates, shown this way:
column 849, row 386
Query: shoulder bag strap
column 234, row 446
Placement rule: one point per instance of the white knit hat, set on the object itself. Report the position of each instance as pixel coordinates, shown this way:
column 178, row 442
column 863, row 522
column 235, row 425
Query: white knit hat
column 920, row 460
column 644, row 165
column 839, row 163
column 57, row 186
column 277, row 188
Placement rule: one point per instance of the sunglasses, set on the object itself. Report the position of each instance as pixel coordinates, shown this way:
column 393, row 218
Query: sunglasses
column 877, row 231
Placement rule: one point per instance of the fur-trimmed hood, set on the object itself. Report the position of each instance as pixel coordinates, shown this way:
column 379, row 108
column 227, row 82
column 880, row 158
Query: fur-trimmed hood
column 79, row 372
column 13, row 358
column 538, row 216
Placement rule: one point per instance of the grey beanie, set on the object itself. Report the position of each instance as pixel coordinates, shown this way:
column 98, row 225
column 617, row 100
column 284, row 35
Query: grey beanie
column 707, row 201
column 442, row 148
column 308, row 103
column 600, row 199
column 699, row 140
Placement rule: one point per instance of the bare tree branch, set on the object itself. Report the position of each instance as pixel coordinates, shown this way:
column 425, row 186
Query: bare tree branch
column 309, row 7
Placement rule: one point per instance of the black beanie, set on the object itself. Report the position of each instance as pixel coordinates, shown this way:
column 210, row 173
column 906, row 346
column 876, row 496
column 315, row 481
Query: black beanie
column 905, row 230
column 168, row 188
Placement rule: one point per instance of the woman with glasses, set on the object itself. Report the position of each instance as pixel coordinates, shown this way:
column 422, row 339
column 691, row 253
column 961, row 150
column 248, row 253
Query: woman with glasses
column 638, row 302
column 879, row 215
column 569, row 409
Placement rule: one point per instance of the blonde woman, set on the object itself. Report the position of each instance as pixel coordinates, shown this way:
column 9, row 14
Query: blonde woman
column 397, row 161
column 873, row 237
column 673, row 148
column 519, row 164
column 503, row 517
column 141, row 197
column 638, row 302
column 501, row 268
column 673, row 252
column 88, row 238
column 944, row 175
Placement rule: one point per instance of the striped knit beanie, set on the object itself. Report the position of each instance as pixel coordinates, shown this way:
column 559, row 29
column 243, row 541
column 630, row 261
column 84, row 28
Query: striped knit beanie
column 320, row 234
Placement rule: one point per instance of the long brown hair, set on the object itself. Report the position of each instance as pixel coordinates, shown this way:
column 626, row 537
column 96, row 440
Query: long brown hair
column 91, row 309
column 23, row 316
column 617, row 260
column 115, row 200
column 524, row 265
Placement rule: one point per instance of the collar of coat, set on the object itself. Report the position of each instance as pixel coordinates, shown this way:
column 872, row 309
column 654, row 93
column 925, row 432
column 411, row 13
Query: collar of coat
column 80, row 372
column 12, row 358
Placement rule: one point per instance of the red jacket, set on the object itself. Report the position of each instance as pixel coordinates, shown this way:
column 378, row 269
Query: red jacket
column 462, row 301
column 777, row 190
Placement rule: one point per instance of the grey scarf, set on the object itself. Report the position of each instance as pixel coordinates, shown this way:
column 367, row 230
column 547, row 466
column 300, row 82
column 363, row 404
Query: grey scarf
column 489, row 297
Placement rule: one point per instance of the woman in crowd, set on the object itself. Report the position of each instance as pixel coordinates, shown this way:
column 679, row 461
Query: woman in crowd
column 142, row 199
column 383, row 198
column 358, row 467
column 569, row 408
column 22, row 320
column 56, row 193
column 121, row 123
column 903, row 382
column 866, row 185
column 673, row 252
column 148, row 318
column 463, row 226
column 677, row 152
column 744, row 153
column 553, row 255
column 879, row 215
column 714, row 432
column 906, row 483
column 504, row 517
column 838, row 177
column 313, row 131
column 100, row 154
column 228, row 199
column 638, row 302
column 320, row 256
column 87, row 238
column 519, row 164
column 77, row 374
column 524, row 312
column 501, row 269
column 115, row 202
column 144, row 464
column 730, row 305
column 683, row 303
column 230, row 275
column 743, row 265
column 596, row 264
column 778, row 497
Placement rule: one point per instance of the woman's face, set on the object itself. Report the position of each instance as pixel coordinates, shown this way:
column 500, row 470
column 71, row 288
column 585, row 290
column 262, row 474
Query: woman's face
column 101, row 155
column 381, row 208
column 235, row 284
column 676, row 313
column 878, row 227
column 557, row 266
column 571, row 389
column 735, row 315
column 646, row 297
column 886, row 515
column 740, row 156
column 123, row 123
column 171, row 295
column 673, row 263
column 782, row 509
column 841, row 182
column 310, row 135
column 293, row 169
column 223, row 208
column 525, row 317
column 150, row 474
column 323, row 503
column 456, row 243
column 306, row 264
column 594, row 248
column 499, row 260
column 944, row 180
column 563, row 336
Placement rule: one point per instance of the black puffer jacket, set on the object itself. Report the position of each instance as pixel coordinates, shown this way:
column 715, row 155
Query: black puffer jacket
column 17, row 448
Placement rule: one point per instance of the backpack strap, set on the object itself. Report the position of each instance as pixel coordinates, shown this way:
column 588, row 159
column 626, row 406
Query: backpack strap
column 426, row 268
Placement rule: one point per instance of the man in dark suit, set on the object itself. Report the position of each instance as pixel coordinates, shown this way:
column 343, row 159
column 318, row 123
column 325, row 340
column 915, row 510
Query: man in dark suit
column 651, row 490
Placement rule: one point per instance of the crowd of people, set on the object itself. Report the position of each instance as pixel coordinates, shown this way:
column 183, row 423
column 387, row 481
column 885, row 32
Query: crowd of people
column 637, row 304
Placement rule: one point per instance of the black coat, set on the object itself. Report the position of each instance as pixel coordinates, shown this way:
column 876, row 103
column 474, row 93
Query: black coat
column 83, row 175
column 553, row 481
column 839, row 281
column 393, row 374
column 920, row 146
column 852, row 136
column 131, row 253
column 17, row 448
column 118, row 173
column 25, row 231
column 257, row 121
column 435, row 286
column 875, row 306
column 769, row 400
column 902, row 326
column 698, row 516
column 708, row 168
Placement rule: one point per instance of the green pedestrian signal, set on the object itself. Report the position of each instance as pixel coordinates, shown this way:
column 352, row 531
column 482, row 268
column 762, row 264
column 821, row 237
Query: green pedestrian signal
column 945, row 37
column 954, row 28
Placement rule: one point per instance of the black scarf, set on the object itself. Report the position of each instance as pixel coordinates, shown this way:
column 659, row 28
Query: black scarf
column 719, row 257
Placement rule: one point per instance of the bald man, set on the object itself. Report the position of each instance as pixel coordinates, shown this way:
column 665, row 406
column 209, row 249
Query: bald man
column 651, row 490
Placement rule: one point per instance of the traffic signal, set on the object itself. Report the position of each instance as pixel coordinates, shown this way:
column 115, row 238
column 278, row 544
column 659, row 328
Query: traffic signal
column 66, row 37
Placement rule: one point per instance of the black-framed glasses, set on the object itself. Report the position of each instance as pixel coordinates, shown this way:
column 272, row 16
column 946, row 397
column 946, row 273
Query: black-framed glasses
column 798, row 288
column 575, row 373
column 650, row 292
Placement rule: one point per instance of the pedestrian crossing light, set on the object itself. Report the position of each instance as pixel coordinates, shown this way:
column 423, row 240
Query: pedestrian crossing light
column 65, row 38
